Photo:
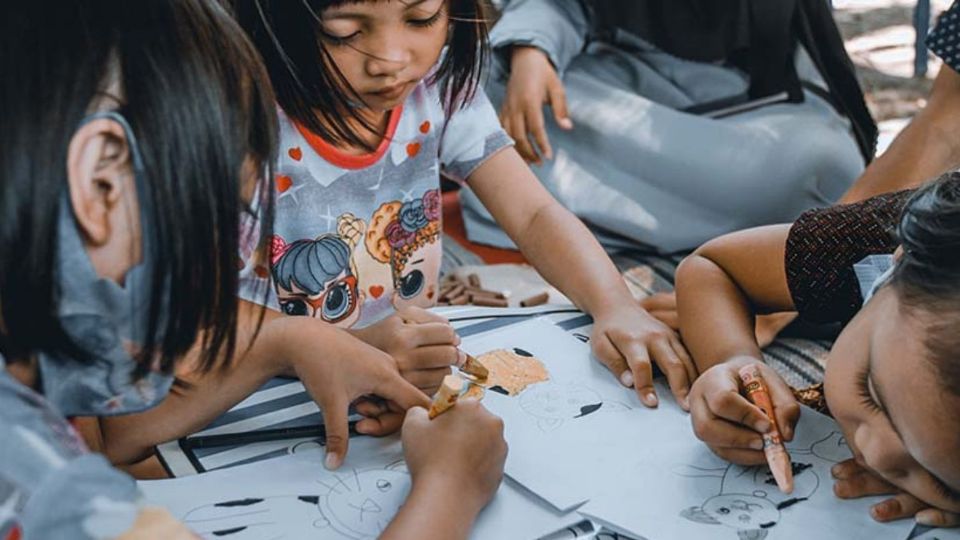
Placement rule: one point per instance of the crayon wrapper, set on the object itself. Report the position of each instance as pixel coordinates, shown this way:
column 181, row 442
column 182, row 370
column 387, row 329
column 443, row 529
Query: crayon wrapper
column 758, row 394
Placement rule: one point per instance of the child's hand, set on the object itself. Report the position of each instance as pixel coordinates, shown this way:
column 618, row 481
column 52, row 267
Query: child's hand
column 336, row 368
column 853, row 481
column 726, row 420
column 626, row 338
column 423, row 344
column 458, row 454
column 533, row 83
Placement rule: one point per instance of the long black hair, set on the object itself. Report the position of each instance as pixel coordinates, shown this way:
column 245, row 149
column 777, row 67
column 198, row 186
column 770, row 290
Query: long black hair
column 198, row 99
column 927, row 275
column 313, row 91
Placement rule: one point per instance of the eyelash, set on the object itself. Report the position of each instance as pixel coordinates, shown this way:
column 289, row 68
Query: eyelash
column 863, row 389
column 417, row 23
column 945, row 492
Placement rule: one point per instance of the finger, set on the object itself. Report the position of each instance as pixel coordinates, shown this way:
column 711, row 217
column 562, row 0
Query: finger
column 865, row 484
column 733, row 407
column 424, row 379
column 522, row 140
column 677, row 377
column 382, row 425
column 847, row 468
column 370, row 408
column 935, row 517
column 432, row 357
column 608, row 355
column 418, row 315
column 639, row 361
column 785, row 407
column 719, row 433
column 416, row 416
column 899, row 506
column 685, row 358
column 539, row 132
column 660, row 302
column 337, row 432
column 433, row 333
column 558, row 103
column 395, row 388
column 669, row 318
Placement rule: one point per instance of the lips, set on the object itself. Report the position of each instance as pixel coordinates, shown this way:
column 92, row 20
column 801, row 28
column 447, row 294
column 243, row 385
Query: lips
column 391, row 92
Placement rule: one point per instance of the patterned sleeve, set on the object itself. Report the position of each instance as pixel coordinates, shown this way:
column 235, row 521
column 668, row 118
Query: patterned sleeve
column 824, row 244
column 944, row 40
column 471, row 136
column 50, row 486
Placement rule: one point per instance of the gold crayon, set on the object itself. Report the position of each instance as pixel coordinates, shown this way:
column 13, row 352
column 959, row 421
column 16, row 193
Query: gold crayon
column 777, row 456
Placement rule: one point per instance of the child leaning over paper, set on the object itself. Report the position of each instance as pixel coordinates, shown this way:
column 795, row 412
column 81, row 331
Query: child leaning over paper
column 893, row 376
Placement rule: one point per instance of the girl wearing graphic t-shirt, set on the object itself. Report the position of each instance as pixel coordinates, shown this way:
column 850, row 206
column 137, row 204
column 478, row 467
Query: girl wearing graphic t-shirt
column 376, row 100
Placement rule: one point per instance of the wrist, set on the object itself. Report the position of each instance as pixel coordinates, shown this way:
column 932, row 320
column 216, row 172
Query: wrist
column 520, row 53
column 441, row 487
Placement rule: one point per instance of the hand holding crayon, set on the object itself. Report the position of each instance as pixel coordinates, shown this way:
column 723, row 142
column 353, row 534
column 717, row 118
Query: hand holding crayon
column 773, row 448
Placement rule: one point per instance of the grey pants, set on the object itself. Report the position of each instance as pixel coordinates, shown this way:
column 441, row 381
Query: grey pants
column 641, row 173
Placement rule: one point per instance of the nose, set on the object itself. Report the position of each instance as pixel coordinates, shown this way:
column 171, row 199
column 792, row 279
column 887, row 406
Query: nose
column 387, row 59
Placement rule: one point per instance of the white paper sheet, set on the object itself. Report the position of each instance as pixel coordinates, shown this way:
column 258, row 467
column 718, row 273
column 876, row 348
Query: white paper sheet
column 294, row 497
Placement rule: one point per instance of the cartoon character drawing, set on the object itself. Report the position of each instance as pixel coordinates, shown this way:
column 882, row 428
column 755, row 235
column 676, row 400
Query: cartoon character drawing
column 748, row 500
column 402, row 235
column 317, row 278
column 356, row 504
column 553, row 404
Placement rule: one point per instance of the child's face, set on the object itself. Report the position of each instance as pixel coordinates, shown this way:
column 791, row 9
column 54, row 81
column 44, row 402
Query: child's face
column 895, row 414
column 384, row 49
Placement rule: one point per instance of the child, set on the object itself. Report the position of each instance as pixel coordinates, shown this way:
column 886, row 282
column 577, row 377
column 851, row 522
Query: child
column 892, row 378
column 376, row 99
column 132, row 133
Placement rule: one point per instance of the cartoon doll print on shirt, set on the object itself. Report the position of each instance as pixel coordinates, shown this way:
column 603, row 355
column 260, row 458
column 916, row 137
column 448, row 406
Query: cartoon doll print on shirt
column 318, row 278
column 406, row 235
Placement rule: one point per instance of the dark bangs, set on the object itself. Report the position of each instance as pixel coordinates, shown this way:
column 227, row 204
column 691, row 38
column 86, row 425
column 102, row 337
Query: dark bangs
column 313, row 92
column 199, row 102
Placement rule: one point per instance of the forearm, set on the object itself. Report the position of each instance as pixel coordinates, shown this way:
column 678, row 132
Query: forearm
column 557, row 27
column 569, row 257
column 434, row 510
column 925, row 149
column 723, row 285
column 129, row 438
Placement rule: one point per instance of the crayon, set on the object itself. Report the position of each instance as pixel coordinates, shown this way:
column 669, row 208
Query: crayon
column 535, row 300
column 777, row 456
column 447, row 396
column 474, row 367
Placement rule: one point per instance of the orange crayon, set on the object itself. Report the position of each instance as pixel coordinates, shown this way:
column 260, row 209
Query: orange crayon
column 777, row 456
column 447, row 396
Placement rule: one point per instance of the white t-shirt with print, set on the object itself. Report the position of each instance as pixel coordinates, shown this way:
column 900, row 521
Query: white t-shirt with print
column 357, row 237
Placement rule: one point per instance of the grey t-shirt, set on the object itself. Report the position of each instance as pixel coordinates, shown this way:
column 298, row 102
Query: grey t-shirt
column 51, row 486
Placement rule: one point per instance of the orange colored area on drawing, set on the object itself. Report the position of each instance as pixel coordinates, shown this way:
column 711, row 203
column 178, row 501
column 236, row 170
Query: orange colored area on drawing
column 512, row 372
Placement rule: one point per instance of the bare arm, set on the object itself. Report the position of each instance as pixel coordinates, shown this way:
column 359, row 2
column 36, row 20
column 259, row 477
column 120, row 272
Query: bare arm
column 925, row 149
column 723, row 285
column 335, row 367
column 625, row 337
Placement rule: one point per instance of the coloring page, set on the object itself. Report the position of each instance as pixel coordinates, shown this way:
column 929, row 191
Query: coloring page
column 571, row 435
column 684, row 491
column 294, row 497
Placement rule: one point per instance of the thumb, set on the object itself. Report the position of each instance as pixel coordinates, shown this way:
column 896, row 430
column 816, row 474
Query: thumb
column 416, row 416
column 398, row 390
column 337, row 432
column 558, row 103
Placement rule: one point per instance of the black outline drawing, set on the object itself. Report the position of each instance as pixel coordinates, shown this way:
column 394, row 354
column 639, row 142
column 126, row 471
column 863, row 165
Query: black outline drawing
column 554, row 404
column 357, row 504
column 748, row 500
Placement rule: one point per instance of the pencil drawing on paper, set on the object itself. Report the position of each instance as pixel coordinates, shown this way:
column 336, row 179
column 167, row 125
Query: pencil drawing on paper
column 747, row 499
column 553, row 404
column 355, row 504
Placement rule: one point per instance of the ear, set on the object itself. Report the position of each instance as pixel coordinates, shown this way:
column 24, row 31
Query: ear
column 98, row 172
column 697, row 515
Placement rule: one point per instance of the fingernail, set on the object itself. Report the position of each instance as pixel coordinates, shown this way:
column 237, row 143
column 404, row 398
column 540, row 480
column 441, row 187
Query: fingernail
column 331, row 461
column 756, row 444
column 650, row 399
column 565, row 123
column 685, row 403
column 762, row 426
column 836, row 470
column 626, row 378
column 456, row 340
column 461, row 358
